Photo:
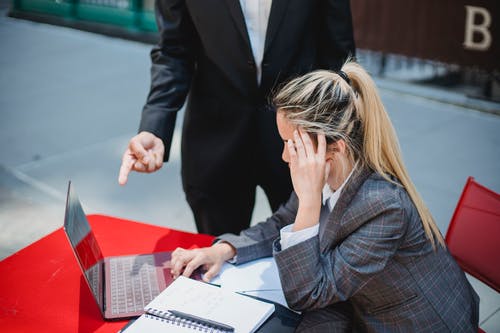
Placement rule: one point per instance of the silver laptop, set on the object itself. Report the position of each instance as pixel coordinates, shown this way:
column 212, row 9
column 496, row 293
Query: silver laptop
column 122, row 286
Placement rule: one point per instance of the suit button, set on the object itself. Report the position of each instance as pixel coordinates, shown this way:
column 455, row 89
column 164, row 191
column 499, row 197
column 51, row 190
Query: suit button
column 251, row 64
column 265, row 64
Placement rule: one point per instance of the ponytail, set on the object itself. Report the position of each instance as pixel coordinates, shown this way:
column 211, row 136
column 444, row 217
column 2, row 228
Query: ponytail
column 346, row 106
column 381, row 151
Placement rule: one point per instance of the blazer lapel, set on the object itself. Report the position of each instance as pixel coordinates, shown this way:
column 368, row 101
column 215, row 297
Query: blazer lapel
column 239, row 20
column 278, row 8
column 331, row 232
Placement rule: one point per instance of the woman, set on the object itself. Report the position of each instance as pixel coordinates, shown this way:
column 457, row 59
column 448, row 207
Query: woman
column 356, row 247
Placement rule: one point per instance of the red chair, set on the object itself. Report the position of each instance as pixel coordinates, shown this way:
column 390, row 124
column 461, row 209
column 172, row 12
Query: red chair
column 473, row 237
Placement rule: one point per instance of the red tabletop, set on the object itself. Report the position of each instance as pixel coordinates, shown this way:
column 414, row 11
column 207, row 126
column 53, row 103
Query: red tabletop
column 42, row 288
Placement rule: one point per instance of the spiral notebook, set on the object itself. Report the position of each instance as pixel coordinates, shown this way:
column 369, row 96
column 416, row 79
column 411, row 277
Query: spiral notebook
column 205, row 301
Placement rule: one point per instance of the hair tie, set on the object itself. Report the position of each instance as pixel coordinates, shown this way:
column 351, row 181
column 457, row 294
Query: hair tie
column 343, row 75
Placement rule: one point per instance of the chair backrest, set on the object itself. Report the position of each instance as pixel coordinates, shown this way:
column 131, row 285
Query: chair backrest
column 473, row 237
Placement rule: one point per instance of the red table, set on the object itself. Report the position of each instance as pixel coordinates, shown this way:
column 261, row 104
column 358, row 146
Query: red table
column 42, row 287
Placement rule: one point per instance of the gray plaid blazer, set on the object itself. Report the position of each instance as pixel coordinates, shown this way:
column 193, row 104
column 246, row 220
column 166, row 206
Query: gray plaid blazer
column 373, row 259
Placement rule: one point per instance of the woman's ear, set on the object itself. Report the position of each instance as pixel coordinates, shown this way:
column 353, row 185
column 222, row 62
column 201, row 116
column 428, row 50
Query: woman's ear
column 329, row 153
column 341, row 146
column 338, row 146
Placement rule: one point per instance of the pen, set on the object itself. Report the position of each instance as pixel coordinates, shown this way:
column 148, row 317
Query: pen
column 203, row 321
column 210, row 283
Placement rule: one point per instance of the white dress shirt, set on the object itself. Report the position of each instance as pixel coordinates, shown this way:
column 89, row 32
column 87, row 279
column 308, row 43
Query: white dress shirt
column 330, row 198
column 256, row 13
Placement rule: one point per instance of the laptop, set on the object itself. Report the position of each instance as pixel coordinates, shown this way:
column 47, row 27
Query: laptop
column 123, row 285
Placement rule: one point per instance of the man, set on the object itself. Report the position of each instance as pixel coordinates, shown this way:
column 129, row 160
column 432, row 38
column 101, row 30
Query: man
column 230, row 55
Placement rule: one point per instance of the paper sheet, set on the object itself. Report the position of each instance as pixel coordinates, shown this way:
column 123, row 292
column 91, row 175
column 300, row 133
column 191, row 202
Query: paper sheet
column 257, row 278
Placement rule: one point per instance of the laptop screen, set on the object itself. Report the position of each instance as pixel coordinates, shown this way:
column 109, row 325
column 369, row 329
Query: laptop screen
column 84, row 245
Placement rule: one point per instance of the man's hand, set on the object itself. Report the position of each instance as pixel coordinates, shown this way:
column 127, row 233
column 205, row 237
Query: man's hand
column 144, row 154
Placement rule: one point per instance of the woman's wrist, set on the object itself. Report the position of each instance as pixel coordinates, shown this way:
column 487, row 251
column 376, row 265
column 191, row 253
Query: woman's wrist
column 307, row 215
column 310, row 199
column 226, row 250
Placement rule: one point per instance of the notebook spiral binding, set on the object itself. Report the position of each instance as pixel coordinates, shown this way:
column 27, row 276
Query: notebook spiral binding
column 169, row 318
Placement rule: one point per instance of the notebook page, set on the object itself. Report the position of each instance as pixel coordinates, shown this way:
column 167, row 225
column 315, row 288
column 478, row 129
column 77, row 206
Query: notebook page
column 206, row 301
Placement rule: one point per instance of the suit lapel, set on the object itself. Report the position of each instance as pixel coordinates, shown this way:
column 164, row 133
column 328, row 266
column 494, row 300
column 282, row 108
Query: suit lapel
column 332, row 228
column 239, row 20
column 278, row 8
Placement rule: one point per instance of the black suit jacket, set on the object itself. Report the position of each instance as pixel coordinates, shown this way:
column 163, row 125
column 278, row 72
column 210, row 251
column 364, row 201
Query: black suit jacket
column 204, row 49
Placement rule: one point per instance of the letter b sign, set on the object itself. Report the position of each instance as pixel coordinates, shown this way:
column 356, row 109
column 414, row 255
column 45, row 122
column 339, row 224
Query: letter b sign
column 480, row 28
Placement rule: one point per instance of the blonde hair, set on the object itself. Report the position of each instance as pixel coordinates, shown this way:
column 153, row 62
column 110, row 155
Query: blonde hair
column 346, row 106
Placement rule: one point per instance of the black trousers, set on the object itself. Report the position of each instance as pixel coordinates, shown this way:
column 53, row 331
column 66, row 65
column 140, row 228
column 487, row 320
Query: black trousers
column 227, row 205
column 229, row 210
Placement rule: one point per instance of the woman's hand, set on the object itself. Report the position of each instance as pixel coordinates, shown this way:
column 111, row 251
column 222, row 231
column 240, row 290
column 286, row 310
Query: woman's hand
column 307, row 166
column 211, row 258
column 308, row 170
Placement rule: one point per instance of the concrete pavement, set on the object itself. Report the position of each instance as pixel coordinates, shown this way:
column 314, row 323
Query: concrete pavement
column 70, row 100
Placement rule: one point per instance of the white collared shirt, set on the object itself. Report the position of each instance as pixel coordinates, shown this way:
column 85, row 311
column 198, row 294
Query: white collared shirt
column 330, row 197
column 256, row 13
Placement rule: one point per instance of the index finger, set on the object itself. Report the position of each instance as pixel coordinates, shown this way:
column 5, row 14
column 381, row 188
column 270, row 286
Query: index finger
column 292, row 153
column 299, row 146
column 179, row 258
column 193, row 264
column 125, row 168
column 177, row 266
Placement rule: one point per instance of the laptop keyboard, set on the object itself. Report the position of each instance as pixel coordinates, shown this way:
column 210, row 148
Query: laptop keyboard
column 134, row 283
column 94, row 278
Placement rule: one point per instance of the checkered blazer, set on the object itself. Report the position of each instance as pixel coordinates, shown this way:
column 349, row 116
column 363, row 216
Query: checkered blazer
column 373, row 253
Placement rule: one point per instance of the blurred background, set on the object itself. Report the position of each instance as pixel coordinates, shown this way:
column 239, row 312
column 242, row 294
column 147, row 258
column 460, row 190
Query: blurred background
column 448, row 43
column 74, row 76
